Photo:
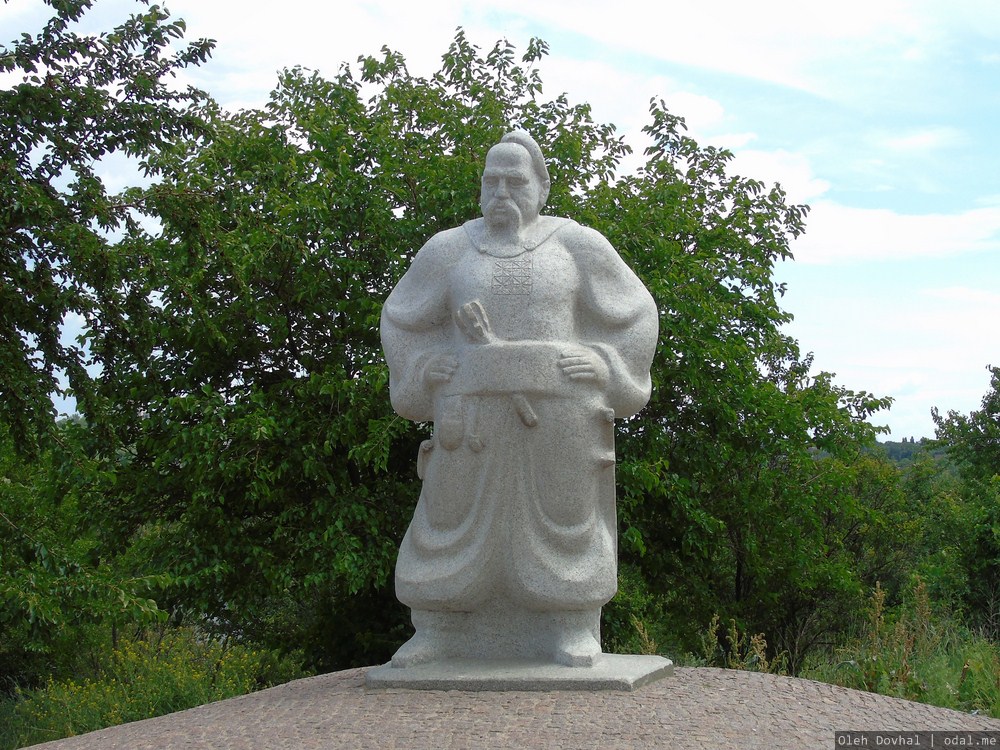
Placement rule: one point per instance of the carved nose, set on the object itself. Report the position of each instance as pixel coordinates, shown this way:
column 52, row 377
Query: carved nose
column 502, row 190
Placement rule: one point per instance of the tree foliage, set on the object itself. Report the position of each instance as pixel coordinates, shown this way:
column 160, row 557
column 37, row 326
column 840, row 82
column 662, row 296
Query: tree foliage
column 973, row 444
column 719, row 472
column 78, row 99
column 74, row 100
column 55, row 588
column 973, row 440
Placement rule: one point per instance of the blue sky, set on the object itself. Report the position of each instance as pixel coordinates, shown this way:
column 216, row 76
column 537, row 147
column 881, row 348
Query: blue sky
column 882, row 115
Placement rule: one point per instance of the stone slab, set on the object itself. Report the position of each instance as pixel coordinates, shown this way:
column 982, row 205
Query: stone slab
column 610, row 672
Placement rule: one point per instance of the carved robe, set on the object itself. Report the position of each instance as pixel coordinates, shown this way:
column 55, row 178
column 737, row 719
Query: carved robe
column 518, row 496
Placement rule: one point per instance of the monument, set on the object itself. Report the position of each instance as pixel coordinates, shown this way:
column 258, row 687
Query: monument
column 522, row 337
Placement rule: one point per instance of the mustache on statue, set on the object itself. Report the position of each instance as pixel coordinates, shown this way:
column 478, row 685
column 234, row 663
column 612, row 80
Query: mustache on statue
column 503, row 207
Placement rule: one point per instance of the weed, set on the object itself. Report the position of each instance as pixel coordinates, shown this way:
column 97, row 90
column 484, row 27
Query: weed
column 139, row 679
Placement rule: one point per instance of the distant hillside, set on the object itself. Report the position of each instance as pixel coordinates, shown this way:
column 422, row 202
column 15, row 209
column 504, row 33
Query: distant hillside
column 906, row 450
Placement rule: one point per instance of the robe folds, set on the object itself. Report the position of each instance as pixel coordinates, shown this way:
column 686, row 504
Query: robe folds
column 518, row 495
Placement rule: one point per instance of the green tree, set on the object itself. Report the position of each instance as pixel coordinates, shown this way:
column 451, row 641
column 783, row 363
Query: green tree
column 251, row 449
column 973, row 440
column 943, row 518
column 76, row 99
column 718, row 493
column 973, row 444
column 59, row 601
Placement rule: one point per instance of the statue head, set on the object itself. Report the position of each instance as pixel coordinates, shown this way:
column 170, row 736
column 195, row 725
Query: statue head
column 515, row 181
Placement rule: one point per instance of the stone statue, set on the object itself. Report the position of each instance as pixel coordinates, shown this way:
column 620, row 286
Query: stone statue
column 522, row 337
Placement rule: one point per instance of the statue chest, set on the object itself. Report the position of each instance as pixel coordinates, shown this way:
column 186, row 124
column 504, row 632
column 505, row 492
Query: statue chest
column 531, row 296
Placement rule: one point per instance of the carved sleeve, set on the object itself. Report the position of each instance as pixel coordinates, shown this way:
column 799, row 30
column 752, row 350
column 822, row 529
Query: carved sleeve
column 617, row 318
column 416, row 328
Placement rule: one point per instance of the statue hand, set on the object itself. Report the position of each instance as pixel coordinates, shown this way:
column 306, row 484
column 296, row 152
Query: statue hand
column 471, row 318
column 581, row 363
column 440, row 368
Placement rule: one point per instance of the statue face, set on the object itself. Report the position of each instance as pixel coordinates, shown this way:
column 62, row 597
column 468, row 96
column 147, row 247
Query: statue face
column 511, row 189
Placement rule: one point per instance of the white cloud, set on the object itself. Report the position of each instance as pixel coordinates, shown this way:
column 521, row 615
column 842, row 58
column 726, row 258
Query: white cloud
column 986, row 299
column 773, row 40
column 732, row 141
column 700, row 112
column 622, row 97
column 16, row 11
column 315, row 35
column 792, row 170
column 780, row 41
column 614, row 94
column 921, row 140
column 841, row 234
column 786, row 42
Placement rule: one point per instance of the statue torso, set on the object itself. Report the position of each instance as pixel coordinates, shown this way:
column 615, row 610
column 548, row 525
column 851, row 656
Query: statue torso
column 527, row 294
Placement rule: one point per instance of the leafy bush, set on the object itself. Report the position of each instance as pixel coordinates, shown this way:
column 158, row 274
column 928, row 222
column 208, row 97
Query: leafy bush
column 918, row 654
column 60, row 599
column 151, row 676
column 633, row 622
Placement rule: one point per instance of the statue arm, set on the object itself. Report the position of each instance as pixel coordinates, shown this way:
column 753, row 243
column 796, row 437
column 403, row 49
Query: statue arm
column 416, row 333
column 617, row 319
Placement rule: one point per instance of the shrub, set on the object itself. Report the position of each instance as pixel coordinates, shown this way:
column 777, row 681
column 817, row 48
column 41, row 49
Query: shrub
column 146, row 677
column 733, row 648
column 918, row 654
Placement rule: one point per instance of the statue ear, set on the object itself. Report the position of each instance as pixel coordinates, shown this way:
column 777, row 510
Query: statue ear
column 544, row 195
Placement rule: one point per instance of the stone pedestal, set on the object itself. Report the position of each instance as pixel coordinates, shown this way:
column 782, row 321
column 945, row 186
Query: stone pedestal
column 610, row 672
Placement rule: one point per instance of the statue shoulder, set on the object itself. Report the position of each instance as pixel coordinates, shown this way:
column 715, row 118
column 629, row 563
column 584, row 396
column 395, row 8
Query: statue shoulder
column 542, row 229
column 576, row 232
column 584, row 241
column 442, row 247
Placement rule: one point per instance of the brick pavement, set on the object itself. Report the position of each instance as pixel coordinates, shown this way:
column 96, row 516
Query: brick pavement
column 696, row 708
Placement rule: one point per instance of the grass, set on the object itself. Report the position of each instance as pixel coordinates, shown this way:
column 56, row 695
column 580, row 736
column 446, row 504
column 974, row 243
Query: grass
column 918, row 655
column 142, row 678
column 911, row 652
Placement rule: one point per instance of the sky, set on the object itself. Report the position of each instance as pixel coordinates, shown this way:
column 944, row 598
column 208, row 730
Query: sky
column 881, row 115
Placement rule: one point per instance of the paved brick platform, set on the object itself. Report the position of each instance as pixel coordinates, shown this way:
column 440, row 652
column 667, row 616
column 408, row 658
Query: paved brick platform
column 695, row 708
